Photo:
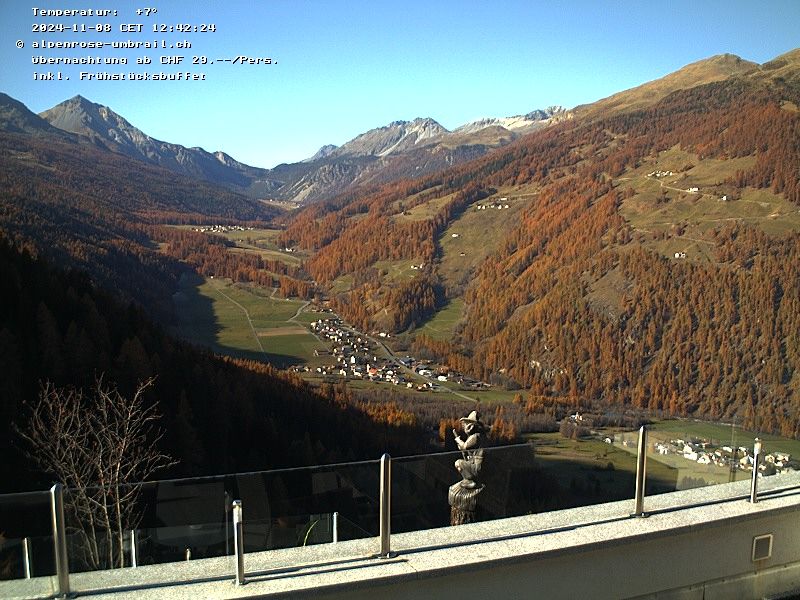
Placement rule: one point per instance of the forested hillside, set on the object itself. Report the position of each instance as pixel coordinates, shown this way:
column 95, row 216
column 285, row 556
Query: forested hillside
column 219, row 415
column 581, row 300
column 99, row 212
column 644, row 258
column 90, row 258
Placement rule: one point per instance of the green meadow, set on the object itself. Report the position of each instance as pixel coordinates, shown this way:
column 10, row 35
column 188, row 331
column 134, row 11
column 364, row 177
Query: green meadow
column 240, row 321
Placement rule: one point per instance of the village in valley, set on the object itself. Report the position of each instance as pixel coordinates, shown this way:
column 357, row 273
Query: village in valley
column 220, row 228
column 355, row 355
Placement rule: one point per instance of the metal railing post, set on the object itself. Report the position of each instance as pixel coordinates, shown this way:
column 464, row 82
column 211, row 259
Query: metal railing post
column 386, row 506
column 641, row 472
column 238, row 541
column 26, row 557
column 335, row 527
column 134, row 558
column 754, row 480
column 59, row 539
column 227, row 524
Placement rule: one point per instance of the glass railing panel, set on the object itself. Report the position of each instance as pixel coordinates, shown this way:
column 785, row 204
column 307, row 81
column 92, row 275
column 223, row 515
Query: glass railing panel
column 184, row 519
column 345, row 529
column 298, row 504
column 684, row 454
column 190, row 519
column 173, row 521
column 421, row 486
column 26, row 546
column 25, row 515
column 580, row 471
column 682, row 462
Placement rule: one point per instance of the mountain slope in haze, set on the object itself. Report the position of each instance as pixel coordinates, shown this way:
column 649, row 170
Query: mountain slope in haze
column 106, row 129
column 646, row 254
column 395, row 151
column 103, row 219
column 370, row 157
column 16, row 118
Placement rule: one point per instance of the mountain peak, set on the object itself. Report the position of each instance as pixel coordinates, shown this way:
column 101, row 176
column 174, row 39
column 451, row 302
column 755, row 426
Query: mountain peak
column 15, row 117
column 81, row 103
column 107, row 129
column 713, row 68
column 397, row 136
column 324, row 151
column 84, row 117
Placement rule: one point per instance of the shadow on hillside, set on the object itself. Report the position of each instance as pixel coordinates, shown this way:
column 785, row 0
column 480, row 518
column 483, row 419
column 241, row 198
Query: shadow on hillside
column 197, row 323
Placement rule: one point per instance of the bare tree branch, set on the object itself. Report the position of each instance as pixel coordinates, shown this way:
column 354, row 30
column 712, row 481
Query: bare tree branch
column 99, row 447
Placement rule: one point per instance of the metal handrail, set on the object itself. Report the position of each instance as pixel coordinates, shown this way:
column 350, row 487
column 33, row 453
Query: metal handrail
column 56, row 494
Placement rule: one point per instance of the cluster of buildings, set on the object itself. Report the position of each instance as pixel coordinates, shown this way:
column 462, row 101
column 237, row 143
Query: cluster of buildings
column 220, row 228
column 659, row 174
column 499, row 205
column 705, row 454
column 353, row 356
column 441, row 374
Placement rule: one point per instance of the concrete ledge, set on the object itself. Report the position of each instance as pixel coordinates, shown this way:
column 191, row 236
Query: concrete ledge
column 694, row 544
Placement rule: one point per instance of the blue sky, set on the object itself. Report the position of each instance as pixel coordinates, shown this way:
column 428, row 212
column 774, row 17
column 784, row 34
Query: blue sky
column 346, row 67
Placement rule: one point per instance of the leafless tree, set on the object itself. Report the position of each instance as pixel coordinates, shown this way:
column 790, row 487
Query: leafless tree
column 98, row 445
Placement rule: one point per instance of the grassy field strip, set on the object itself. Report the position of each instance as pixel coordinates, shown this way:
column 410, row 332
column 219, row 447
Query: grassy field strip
column 442, row 325
column 246, row 314
column 279, row 331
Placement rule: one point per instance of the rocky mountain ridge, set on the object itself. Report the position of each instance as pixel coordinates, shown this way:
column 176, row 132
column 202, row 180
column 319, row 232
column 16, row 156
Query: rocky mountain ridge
column 106, row 129
column 399, row 150
column 519, row 124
